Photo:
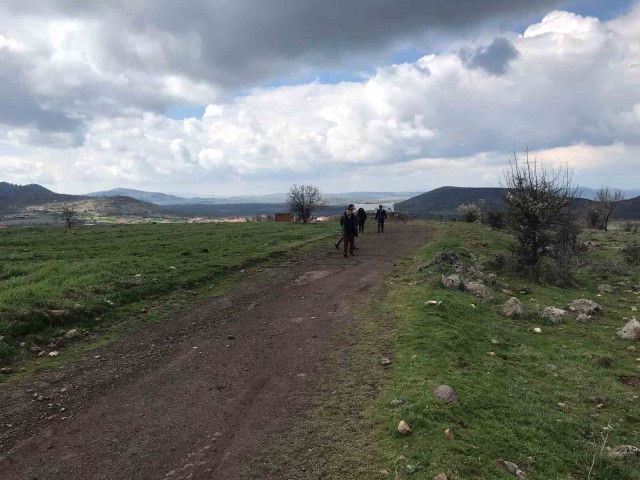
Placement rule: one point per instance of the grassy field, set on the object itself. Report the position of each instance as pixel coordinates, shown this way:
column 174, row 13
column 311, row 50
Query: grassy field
column 530, row 402
column 52, row 280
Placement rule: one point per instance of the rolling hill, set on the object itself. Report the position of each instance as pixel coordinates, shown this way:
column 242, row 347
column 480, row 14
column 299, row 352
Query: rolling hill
column 13, row 197
column 443, row 202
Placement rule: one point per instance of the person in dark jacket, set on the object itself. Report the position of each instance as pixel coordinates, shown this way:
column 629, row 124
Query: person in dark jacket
column 349, row 225
column 362, row 217
column 381, row 216
column 341, row 238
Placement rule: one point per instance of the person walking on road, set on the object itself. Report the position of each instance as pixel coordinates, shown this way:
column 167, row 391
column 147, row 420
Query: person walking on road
column 381, row 216
column 362, row 217
column 349, row 231
column 341, row 237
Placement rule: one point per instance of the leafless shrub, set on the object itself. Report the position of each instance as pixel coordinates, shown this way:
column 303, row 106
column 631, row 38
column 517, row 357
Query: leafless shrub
column 606, row 202
column 539, row 211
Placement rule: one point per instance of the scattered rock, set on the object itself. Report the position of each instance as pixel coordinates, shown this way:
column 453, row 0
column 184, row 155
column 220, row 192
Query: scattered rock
column 585, row 306
column 477, row 289
column 404, row 428
column 550, row 366
column 449, row 434
column 631, row 331
column 624, row 451
column 445, row 392
column 230, row 337
column 556, row 315
column 58, row 313
column 583, row 318
column 396, row 402
column 54, row 353
column 73, row 333
column 385, row 361
column 490, row 279
column 35, row 349
column 599, row 400
column 512, row 468
column 631, row 348
column 563, row 406
column 604, row 288
column 537, row 330
column 433, row 303
column 495, row 341
column 441, row 476
column 446, row 257
column 513, row 308
column 23, row 344
column 452, row 281
column 6, row 370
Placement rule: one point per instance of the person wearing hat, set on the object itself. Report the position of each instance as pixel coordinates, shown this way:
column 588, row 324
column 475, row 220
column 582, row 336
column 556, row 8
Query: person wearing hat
column 381, row 216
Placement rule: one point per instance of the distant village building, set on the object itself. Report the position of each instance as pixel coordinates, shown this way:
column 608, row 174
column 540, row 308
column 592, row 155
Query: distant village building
column 284, row 217
column 372, row 207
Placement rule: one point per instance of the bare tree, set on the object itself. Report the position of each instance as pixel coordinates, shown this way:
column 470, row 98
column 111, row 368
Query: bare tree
column 68, row 215
column 606, row 202
column 482, row 205
column 539, row 210
column 303, row 200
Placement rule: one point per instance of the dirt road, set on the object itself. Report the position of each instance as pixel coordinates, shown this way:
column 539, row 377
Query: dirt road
column 194, row 397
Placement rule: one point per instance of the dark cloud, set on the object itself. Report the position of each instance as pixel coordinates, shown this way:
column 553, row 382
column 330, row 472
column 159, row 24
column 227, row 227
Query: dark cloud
column 494, row 59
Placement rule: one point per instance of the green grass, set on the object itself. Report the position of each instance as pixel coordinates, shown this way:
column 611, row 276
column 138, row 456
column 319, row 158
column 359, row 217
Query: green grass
column 508, row 402
column 110, row 271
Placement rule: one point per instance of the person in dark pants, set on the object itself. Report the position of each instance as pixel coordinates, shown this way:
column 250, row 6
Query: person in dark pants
column 349, row 231
column 362, row 217
column 381, row 216
column 341, row 238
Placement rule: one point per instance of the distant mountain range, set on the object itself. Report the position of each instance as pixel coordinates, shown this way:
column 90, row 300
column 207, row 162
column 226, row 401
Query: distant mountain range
column 444, row 201
column 272, row 198
column 590, row 193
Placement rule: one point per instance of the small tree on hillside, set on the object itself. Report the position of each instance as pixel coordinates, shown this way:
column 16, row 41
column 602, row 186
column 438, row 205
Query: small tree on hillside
column 539, row 210
column 68, row 215
column 606, row 202
column 470, row 211
column 303, row 200
column 482, row 206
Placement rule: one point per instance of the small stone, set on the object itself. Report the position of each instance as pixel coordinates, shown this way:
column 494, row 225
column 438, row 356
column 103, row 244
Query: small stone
column 477, row 289
column 452, row 282
column 445, row 392
column 396, row 402
column 54, row 353
column 230, row 337
column 604, row 288
column 35, row 349
column 40, row 398
column 583, row 318
column 6, row 370
column 449, row 434
column 495, row 341
column 563, row 406
column 537, row 330
column 404, row 428
column 385, row 362
column 512, row 468
column 631, row 331
column 73, row 333
column 624, row 451
column 441, row 476
column 23, row 344
column 432, row 302
column 631, row 348
column 556, row 315
column 588, row 307
column 513, row 308
column 550, row 366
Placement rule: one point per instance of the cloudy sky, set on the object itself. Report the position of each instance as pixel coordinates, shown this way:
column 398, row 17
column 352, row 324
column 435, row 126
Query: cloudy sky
column 221, row 97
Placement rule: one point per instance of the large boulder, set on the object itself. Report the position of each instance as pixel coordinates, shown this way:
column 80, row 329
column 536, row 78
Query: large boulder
column 479, row 290
column 588, row 307
column 556, row 315
column 631, row 331
column 452, row 282
column 445, row 392
column 513, row 308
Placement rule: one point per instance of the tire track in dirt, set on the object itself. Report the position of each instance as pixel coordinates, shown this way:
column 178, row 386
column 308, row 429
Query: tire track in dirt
column 226, row 377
